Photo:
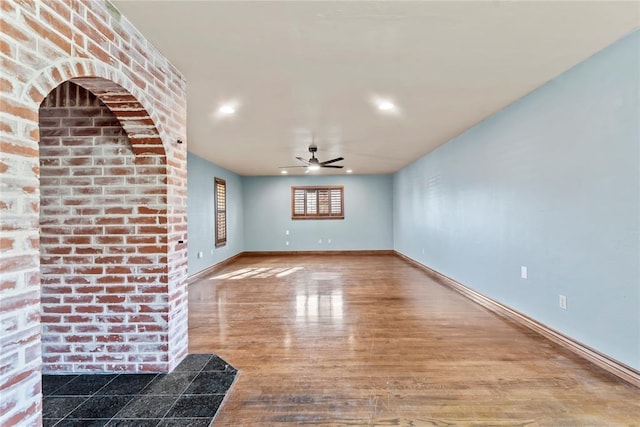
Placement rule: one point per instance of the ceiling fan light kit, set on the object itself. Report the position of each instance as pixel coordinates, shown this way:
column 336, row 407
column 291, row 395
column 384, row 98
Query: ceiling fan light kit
column 314, row 163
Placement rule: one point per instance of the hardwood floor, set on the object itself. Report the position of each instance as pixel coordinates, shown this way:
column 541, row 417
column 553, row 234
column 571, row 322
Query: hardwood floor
column 372, row 340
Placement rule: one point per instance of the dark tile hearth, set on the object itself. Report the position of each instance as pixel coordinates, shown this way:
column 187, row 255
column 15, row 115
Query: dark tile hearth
column 188, row 396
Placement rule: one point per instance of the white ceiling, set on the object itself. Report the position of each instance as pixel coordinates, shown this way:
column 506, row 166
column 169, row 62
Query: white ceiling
column 297, row 69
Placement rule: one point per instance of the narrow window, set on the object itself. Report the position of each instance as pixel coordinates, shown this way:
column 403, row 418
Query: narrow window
column 317, row 202
column 221, row 211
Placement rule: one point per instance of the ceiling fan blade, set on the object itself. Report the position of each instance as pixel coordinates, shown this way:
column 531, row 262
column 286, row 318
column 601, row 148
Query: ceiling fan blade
column 331, row 166
column 287, row 167
column 305, row 161
column 337, row 159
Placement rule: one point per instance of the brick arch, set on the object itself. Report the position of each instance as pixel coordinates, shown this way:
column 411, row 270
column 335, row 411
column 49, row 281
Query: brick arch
column 114, row 89
column 42, row 48
column 105, row 259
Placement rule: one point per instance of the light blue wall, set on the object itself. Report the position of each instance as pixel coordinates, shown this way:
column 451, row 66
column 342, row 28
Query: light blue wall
column 368, row 222
column 553, row 183
column 200, row 214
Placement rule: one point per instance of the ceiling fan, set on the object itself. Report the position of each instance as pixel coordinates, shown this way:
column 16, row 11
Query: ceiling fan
column 313, row 163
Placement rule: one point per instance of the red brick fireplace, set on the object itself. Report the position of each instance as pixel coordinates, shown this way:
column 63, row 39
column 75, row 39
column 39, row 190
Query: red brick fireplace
column 92, row 203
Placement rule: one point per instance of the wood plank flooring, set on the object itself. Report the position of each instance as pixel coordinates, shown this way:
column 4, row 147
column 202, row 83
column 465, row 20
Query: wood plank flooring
column 371, row 340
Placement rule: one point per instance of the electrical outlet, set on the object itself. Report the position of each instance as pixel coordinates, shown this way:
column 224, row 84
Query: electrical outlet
column 563, row 302
column 286, row 243
column 200, row 254
column 211, row 251
column 320, row 241
column 524, row 272
column 328, row 241
column 286, row 232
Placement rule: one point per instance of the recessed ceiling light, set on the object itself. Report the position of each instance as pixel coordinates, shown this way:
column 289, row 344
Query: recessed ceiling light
column 386, row 106
column 348, row 171
column 284, row 172
column 227, row 109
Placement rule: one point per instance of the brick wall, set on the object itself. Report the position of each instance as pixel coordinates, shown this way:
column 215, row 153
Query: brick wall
column 44, row 43
column 102, row 241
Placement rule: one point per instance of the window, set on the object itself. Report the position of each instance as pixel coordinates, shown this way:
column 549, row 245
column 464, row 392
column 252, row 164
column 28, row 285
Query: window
column 317, row 202
column 221, row 211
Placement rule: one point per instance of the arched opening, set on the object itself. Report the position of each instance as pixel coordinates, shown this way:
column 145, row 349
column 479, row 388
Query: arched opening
column 103, row 242
column 148, row 97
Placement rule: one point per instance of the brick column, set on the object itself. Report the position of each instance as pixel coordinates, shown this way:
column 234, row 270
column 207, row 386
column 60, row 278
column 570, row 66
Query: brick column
column 44, row 44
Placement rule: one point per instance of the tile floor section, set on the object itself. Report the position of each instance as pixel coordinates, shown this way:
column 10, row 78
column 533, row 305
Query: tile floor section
column 188, row 396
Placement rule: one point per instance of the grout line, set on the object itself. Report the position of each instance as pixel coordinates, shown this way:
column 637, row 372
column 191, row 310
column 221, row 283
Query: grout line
column 138, row 394
column 87, row 397
column 149, row 383
column 76, row 407
column 226, row 396
column 71, row 378
column 108, row 382
column 181, row 394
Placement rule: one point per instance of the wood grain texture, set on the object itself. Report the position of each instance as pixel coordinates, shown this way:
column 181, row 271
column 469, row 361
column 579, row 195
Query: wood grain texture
column 372, row 340
column 617, row 368
column 212, row 269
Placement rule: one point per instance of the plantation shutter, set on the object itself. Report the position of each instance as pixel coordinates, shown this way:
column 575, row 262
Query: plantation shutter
column 221, row 211
column 317, row 202
column 299, row 202
column 336, row 198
